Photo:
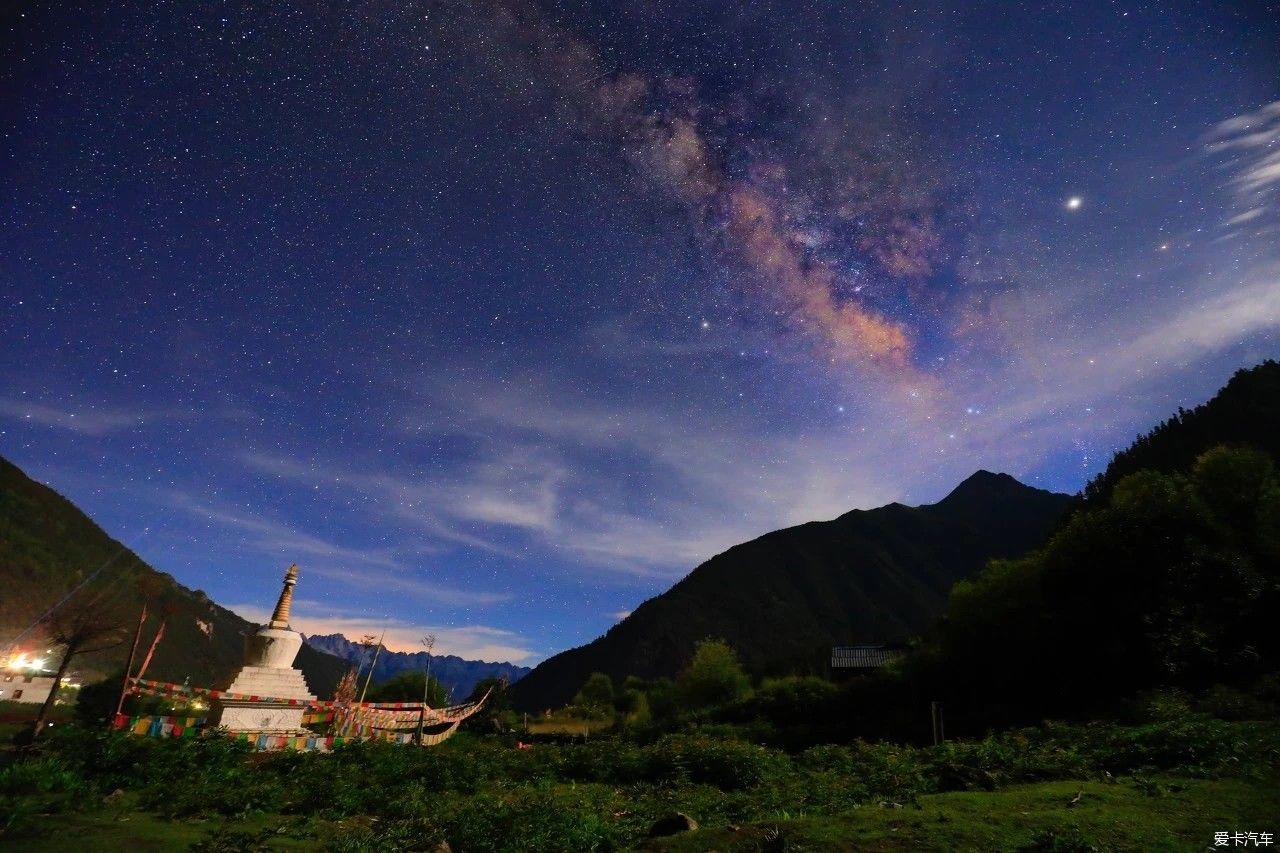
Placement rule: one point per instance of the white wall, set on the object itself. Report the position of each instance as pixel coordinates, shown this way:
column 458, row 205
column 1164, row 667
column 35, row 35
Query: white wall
column 15, row 687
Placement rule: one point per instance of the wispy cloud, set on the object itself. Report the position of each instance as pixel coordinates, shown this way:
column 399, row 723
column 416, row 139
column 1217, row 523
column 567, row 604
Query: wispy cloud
column 691, row 488
column 1250, row 144
column 471, row 642
column 88, row 420
column 1220, row 320
column 365, row 568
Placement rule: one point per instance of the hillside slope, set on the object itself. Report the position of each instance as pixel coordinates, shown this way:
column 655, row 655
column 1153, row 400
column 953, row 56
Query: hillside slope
column 47, row 546
column 456, row 674
column 1245, row 412
column 783, row 599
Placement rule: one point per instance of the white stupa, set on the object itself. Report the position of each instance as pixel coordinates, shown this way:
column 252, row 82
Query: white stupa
column 268, row 672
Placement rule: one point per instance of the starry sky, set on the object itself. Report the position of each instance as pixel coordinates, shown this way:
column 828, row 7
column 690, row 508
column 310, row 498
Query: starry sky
column 499, row 316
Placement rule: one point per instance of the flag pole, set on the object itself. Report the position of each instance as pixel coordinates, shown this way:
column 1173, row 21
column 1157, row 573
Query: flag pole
column 128, row 667
column 369, row 677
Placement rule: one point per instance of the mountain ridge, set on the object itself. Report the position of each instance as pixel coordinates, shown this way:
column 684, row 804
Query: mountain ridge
column 457, row 674
column 48, row 545
column 1244, row 411
column 783, row 598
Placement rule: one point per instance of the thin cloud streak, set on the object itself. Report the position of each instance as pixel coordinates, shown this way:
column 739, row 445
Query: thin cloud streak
column 531, row 475
column 354, row 567
column 470, row 642
column 88, row 421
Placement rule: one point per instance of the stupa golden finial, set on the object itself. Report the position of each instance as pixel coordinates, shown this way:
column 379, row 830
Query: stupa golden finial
column 280, row 618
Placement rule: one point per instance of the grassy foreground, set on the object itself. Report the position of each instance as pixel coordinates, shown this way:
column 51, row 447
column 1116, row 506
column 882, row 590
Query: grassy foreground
column 1161, row 786
column 1118, row 816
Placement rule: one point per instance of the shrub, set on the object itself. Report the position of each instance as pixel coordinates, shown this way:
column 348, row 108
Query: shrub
column 714, row 676
column 789, row 701
column 42, row 775
column 1227, row 703
column 531, row 821
column 725, row 764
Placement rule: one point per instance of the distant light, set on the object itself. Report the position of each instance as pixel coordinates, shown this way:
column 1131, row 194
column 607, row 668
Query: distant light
column 1074, row 202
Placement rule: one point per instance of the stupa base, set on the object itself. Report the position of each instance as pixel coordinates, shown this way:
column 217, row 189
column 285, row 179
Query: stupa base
column 258, row 719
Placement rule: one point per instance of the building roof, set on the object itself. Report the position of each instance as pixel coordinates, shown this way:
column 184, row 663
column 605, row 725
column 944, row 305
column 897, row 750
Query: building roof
column 863, row 657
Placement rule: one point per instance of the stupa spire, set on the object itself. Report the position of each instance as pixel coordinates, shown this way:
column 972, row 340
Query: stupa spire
column 280, row 618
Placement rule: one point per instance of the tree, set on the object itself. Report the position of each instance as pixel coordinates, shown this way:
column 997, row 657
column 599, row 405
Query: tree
column 596, row 693
column 634, row 707
column 496, row 708
column 97, row 701
column 408, row 686
column 88, row 622
column 714, row 676
column 1169, row 581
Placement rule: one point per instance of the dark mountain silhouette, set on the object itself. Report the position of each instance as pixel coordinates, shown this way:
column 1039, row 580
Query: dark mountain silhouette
column 1166, row 578
column 457, row 675
column 1245, row 412
column 47, row 546
column 783, row 599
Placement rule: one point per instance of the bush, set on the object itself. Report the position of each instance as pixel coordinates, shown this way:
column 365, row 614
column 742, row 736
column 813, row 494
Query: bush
column 42, row 775
column 531, row 821
column 790, row 701
column 97, row 702
column 714, row 676
column 729, row 765
column 1227, row 703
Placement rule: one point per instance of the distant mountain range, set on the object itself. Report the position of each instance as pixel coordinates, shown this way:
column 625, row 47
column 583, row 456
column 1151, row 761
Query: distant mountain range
column 784, row 599
column 47, row 546
column 457, row 675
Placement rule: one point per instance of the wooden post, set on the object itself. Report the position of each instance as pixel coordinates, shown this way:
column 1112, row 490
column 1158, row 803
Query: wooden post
column 128, row 667
column 430, row 642
column 935, row 719
column 373, row 664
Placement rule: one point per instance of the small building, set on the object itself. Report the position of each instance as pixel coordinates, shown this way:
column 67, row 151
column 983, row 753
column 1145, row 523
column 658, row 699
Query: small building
column 24, row 678
column 852, row 660
column 24, row 687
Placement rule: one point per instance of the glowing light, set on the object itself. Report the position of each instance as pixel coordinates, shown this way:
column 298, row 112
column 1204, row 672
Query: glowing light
column 1074, row 202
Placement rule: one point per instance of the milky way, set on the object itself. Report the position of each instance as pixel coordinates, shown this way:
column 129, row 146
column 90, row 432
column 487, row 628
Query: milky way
column 498, row 316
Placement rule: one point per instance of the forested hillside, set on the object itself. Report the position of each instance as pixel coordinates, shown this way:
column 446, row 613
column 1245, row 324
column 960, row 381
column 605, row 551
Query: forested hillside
column 784, row 599
column 48, row 546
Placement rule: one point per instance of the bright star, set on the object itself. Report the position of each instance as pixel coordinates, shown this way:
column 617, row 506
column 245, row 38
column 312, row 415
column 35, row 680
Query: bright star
column 1074, row 202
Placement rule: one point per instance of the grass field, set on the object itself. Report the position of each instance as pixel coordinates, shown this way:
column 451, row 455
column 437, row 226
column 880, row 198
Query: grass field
column 568, row 726
column 1163, row 813
column 1167, row 785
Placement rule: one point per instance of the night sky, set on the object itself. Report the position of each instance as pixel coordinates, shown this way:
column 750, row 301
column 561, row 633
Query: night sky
column 499, row 318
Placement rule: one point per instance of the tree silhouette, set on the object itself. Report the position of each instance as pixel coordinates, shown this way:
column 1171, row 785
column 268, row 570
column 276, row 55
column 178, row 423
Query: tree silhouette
column 91, row 621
